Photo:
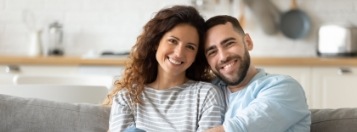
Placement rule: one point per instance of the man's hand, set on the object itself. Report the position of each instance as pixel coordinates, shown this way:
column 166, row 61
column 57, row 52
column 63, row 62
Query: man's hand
column 216, row 129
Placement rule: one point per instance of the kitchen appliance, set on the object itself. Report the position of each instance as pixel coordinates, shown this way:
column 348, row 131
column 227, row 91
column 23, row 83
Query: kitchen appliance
column 55, row 39
column 337, row 40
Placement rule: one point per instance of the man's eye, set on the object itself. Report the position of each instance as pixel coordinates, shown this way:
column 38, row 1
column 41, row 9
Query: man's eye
column 229, row 43
column 210, row 53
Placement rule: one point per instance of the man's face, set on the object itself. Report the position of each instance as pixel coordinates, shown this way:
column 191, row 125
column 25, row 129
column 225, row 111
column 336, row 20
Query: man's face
column 227, row 53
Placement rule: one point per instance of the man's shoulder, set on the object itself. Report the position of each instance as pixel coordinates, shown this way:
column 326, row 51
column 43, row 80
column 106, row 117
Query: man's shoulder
column 218, row 82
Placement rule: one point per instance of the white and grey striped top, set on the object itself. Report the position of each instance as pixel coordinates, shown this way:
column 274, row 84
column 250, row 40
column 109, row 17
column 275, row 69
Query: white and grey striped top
column 192, row 106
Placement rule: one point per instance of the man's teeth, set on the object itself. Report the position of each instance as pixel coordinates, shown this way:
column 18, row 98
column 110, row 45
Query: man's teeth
column 175, row 62
column 227, row 66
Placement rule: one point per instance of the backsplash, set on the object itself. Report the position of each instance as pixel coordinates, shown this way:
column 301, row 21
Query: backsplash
column 94, row 26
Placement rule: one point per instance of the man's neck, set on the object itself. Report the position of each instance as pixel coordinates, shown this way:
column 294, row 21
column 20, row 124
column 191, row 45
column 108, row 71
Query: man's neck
column 252, row 71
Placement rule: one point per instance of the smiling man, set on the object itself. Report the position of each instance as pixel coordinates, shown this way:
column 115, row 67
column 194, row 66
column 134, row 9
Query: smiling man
column 257, row 101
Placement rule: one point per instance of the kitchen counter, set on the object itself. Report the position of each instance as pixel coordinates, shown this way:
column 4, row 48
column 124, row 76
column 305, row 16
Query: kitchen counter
column 261, row 61
column 57, row 60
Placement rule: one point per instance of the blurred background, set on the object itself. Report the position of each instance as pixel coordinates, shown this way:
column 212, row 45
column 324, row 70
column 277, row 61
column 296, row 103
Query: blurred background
column 96, row 26
column 49, row 47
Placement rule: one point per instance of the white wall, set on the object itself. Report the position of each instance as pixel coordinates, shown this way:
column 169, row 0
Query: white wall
column 100, row 25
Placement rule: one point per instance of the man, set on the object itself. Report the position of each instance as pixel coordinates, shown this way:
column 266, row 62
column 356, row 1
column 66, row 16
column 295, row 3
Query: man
column 257, row 101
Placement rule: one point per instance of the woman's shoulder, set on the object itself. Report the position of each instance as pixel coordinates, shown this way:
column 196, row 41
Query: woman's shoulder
column 204, row 86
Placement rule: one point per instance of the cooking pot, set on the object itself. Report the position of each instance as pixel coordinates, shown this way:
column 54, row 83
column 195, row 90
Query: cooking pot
column 295, row 23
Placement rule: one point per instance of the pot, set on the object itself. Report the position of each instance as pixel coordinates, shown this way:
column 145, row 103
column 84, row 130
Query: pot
column 295, row 23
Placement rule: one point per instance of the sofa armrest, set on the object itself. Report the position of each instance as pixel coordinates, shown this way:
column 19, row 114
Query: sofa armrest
column 334, row 120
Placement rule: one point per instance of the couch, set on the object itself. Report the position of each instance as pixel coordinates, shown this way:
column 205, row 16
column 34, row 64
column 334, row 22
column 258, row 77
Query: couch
column 19, row 114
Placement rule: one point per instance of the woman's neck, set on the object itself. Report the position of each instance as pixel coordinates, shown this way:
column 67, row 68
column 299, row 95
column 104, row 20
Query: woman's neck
column 168, row 81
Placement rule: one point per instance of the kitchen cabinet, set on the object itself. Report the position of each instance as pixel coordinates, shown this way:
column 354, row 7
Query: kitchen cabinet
column 325, row 87
column 334, row 87
column 301, row 74
column 60, row 74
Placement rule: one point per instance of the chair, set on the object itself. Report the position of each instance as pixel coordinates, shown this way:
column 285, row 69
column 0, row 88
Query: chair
column 63, row 93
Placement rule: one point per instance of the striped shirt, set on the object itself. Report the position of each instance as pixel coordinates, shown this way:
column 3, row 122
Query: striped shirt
column 192, row 106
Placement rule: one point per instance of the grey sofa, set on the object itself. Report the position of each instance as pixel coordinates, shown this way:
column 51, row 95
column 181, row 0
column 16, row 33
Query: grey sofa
column 35, row 115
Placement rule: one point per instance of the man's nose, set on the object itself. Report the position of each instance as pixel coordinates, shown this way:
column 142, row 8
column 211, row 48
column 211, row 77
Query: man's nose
column 222, row 56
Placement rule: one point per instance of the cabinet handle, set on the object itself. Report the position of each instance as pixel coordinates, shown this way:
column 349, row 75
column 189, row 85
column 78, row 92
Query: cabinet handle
column 344, row 70
column 12, row 69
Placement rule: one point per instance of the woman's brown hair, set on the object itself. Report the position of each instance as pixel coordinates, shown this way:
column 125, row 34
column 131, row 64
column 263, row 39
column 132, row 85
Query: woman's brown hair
column 143, row 67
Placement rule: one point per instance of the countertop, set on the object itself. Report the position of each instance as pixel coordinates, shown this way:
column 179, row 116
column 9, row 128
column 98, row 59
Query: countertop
column 120, row 61
column 60, row 60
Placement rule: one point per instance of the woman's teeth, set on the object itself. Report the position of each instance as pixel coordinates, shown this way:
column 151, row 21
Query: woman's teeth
column 175, row 62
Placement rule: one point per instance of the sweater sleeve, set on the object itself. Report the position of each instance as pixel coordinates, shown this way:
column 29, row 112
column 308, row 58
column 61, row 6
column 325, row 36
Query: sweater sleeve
column 212, row 110
column 121, row 115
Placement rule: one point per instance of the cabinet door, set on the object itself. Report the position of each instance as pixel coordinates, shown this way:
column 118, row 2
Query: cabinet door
column 334, row 87
column 301, row 74
column 48, row 69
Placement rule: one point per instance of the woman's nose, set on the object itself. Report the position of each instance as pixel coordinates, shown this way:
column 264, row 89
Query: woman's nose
column 179, row 50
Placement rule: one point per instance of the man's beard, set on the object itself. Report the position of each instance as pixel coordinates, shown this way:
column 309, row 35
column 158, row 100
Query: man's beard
column 241, row 73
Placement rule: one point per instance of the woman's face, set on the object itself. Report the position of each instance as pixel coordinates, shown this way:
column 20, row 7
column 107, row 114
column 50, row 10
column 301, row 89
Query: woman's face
column 177, row 50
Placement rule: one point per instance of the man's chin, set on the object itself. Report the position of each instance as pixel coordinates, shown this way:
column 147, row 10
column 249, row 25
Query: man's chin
column 229, row 81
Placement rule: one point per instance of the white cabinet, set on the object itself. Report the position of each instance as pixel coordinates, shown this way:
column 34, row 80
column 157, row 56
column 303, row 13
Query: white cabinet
column 325, row 87
column 59, row 74
column 334, row 87
column 48, row 69
column 301, row 74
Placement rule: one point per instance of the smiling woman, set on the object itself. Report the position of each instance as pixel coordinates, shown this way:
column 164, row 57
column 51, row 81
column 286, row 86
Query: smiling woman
column 164, row 82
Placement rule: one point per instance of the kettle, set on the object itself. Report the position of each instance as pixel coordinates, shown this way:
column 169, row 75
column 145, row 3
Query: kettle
column 55, row 38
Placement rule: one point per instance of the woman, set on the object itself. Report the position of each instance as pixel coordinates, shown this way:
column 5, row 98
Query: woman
column 162, row 88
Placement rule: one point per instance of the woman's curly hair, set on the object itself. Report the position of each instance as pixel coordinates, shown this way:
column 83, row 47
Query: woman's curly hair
column 143, row 67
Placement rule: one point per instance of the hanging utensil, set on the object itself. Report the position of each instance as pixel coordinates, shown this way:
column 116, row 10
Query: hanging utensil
column 295, row 23
column 241, row 18
column 29, row 20
column 267, row 15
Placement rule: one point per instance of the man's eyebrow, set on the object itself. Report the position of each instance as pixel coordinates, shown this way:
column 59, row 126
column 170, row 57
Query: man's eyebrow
column 210, row 48
column 226, row 40
column 221, row 43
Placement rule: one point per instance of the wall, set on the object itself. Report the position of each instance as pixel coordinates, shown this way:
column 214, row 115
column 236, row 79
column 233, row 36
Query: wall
column 100, row 25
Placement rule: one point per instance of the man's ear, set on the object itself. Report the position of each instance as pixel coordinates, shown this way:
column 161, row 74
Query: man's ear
column 248, row 41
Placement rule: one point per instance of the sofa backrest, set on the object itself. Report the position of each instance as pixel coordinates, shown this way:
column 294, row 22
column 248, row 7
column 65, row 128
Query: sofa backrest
column 19, row 114
column 37, row 115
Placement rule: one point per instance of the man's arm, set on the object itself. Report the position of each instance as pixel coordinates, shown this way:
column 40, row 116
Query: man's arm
column 277, row 104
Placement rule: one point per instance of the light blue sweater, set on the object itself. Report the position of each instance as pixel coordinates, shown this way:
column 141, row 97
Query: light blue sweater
column 269, row 103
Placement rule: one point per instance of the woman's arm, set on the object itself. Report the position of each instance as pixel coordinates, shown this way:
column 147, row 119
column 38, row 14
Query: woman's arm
column 121, row 114
column 212, row 110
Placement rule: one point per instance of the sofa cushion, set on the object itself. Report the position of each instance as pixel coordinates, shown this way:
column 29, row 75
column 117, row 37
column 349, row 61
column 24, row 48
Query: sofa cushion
column 19, row 114
column 334, row 120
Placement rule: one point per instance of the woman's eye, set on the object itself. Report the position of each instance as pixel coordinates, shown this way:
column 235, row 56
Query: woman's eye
column 191, row 47
column 172, row 41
